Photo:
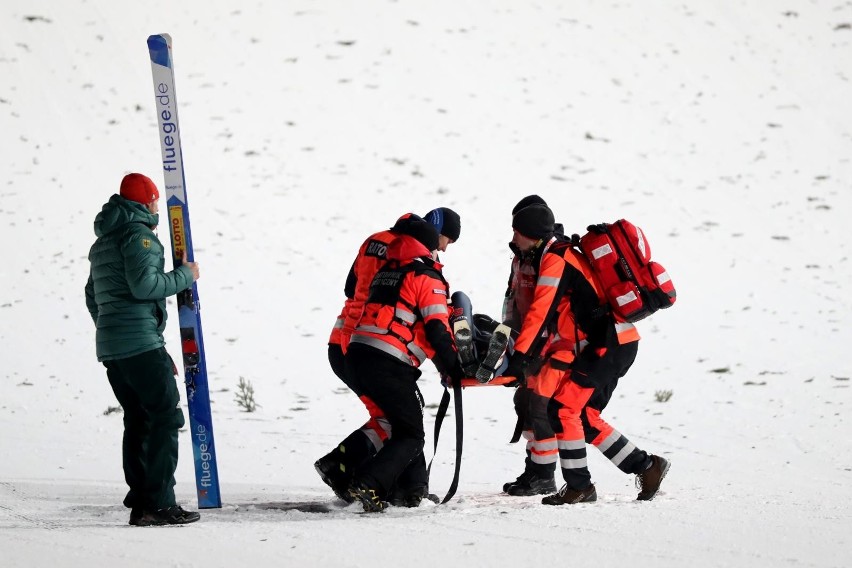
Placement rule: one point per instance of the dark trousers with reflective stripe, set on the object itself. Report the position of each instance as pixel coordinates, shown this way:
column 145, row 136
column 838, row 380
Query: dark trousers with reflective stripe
column 366, row 440
column 392, row 385
column 145, row 387
column 575, row 415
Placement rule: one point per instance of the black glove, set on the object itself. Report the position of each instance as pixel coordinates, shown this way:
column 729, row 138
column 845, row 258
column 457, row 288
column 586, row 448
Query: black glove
column 518, row 363
column 454, row 376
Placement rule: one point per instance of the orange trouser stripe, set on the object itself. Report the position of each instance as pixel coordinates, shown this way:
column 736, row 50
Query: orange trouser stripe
column 572, row 398
column 377, row 419
column 593, row 415
column 544, row 451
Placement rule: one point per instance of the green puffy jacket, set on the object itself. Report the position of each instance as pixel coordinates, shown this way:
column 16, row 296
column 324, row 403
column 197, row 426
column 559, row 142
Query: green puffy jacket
column 127, row 288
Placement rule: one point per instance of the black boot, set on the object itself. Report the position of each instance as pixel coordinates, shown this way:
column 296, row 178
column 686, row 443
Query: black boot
column 329, row 469
column 531, row 483
column 176, row 515
column 411, row 497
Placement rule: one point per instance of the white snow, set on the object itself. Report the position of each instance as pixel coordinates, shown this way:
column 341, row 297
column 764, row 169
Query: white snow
column 723, row 128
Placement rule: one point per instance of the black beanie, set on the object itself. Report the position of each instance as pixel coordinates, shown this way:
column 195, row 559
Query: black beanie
column 404, row 221
column 534, row 221
column 527, row 201
column 423, row 232
column 446, row 221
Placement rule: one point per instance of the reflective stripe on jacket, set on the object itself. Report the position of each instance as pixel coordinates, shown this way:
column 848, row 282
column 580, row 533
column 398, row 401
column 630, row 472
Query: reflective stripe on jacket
column 567, row 302
column 406, row 314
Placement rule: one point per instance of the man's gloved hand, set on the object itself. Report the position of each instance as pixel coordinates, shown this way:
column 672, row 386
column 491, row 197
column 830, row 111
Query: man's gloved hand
column 518, row 363
column 454, row 376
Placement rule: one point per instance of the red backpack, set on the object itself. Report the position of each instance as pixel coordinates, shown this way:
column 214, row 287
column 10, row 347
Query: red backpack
column 620, row 257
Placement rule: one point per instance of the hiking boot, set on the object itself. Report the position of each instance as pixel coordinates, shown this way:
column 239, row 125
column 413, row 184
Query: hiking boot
column 412, row 498
column 144, row 518
column 409, row 497
column 530, row 483
column 332, row 474
column 567, row 496
column 508, row 484
column 176, row 515
column 648, row 482
column 368, row 497
column 521, row 479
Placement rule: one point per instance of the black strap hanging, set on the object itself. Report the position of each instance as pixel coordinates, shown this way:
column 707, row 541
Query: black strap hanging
column 439, row 419
column 519, row 427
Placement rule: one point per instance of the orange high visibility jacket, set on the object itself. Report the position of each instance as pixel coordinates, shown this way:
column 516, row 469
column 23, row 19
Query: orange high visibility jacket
column 371, row 256
column 568, row 307
column 406, row 314
column 522, row 278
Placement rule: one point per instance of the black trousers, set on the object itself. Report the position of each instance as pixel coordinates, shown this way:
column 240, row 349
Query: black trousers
column 392, row 385
column 357, row 446
column 336, row 360
column 145, row 387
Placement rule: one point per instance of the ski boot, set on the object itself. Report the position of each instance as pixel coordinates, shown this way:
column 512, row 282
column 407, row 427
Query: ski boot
column 464, row 343
column 496, row 348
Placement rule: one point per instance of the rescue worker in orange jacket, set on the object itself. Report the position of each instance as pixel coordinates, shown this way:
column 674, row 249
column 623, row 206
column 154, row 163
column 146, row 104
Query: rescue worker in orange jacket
column 572, row 352
column 335, row 468
column 522, row 275
column 405, row 321
column 519, row 296
column 523, row 306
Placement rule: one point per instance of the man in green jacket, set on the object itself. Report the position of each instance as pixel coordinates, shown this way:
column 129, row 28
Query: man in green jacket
column 126, row 296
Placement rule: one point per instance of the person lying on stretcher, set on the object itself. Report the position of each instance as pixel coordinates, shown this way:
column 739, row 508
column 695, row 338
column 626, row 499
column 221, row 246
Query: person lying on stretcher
column 482, row 342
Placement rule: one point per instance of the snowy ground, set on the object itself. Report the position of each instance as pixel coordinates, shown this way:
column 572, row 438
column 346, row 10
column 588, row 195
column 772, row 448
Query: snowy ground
column 722, row 128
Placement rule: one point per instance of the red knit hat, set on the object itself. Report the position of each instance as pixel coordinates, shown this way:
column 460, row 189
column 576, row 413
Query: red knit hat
column 139, row 188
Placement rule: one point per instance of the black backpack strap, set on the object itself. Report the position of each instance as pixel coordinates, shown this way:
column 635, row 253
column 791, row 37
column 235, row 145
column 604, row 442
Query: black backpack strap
column 439, row 419
column 519, row 427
